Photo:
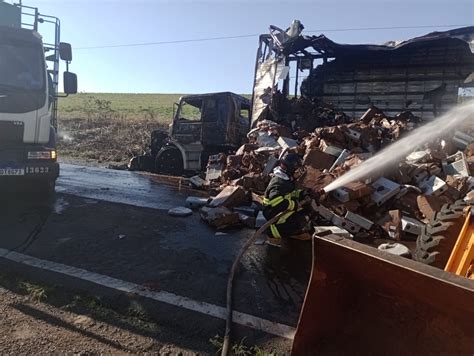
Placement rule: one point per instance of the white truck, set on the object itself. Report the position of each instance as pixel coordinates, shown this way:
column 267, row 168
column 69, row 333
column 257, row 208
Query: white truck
column 29, row 76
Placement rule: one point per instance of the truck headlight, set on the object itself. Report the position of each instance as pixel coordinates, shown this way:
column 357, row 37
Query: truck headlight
column 42, row 155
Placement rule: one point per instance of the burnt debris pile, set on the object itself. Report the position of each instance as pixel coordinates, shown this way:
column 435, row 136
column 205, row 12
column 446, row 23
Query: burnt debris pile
column 394, row 204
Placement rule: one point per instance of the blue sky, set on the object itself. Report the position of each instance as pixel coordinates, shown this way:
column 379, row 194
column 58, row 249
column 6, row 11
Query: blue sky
column 218, row 65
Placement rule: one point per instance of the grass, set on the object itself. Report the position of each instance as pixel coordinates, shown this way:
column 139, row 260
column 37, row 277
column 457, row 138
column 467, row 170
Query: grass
column 129, row 106
column 239, row 348
column 131, row 315
column 35, row 291
column 111, row 127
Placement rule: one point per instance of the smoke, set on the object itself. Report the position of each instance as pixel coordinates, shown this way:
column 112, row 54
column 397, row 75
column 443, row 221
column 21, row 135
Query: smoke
column 65, row 136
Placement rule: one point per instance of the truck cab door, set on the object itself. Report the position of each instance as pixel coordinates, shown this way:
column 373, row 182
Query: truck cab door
column 187, row 124
column 213, row 121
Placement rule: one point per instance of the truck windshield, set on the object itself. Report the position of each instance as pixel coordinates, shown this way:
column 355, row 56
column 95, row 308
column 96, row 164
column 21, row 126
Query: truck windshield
column 21, row 67
column 190, row 111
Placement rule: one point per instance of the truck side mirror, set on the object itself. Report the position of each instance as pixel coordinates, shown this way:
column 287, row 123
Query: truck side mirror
column 65, row 51
column 70, row 83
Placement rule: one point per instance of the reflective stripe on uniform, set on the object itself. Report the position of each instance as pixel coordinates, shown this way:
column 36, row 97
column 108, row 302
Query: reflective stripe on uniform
column 284, row 217
column 296, row 193
column 275, row 232
column 281, row 220
column 273, row 202
column 279, row 199
column 291, row 204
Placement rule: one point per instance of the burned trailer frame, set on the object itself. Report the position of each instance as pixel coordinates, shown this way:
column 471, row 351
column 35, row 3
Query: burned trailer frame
column 422, row 74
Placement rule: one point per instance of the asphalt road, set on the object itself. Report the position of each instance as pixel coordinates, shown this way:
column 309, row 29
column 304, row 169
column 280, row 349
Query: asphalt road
column 109, row 232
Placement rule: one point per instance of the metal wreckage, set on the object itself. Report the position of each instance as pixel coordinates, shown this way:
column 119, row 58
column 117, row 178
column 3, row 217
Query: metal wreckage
column 337, row 105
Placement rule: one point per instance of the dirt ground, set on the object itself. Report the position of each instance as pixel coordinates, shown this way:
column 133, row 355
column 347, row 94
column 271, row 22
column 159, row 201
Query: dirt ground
column 32, row 327
column 107, row 141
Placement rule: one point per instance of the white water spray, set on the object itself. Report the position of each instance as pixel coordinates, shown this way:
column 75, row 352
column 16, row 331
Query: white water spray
column 457, row 118
column 65, row 136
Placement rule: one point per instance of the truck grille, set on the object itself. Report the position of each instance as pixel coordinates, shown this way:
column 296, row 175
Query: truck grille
column 11, row 132
column 11, row 156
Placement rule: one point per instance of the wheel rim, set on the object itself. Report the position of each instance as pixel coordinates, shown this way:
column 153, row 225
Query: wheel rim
column 169, row 161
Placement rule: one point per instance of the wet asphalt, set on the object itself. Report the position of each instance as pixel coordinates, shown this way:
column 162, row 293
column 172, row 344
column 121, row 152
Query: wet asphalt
column 116, row 223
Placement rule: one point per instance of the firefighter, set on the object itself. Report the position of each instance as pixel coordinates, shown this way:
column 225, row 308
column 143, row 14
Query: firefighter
column 281, row 195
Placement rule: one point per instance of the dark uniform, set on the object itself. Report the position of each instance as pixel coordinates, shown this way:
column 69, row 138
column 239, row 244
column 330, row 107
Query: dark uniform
column 280, row 195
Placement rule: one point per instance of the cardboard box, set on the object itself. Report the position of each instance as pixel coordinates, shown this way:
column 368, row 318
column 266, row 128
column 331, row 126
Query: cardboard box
column 357, row 219
column 229, row 197
column 412, row 226
column 332, row 230
column 433, row 186
column 318, row 159
column 384, row 189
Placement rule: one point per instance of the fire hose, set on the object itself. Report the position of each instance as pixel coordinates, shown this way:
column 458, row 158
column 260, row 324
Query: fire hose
column 245, row 247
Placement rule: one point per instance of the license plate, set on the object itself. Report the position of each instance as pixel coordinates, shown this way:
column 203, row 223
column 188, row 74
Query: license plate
column 12, row 171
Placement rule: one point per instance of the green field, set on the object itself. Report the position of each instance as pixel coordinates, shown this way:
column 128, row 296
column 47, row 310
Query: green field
column 130, row 106
column 111, row 127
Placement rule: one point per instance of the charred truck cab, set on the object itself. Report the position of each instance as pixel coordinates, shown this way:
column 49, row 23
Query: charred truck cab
column 202, row 125
column 29, row 73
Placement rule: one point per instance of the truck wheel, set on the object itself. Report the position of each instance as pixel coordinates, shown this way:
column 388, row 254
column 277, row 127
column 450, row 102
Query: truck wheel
column 158, row 139
column 169, row 161
column 438, row 237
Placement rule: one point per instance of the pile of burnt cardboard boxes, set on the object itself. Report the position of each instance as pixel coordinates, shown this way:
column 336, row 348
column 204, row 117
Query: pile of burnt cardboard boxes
column 394, row 204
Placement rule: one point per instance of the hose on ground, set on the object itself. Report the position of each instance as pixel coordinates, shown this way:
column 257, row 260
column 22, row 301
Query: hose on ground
column 245, row 247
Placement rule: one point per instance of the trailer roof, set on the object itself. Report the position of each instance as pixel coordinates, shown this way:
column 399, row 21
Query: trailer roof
column 192, row 97
column 329, row 48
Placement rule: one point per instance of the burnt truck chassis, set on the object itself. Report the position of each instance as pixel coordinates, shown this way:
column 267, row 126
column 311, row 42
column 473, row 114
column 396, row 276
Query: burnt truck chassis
column 219, row 127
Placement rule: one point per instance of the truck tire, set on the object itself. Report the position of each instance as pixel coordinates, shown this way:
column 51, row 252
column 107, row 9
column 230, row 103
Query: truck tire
column 158, row 140
column 169, row 161
column 438, row 237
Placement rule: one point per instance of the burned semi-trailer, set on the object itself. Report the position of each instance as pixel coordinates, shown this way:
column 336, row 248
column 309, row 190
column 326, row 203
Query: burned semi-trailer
column 364, row 297
column 422, row 75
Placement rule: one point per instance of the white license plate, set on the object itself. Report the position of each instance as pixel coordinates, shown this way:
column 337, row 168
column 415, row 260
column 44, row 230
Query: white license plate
column 12, row 171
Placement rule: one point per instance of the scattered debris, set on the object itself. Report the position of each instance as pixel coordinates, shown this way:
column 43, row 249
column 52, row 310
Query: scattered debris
column 359, row 220
column 384, row 189
column 220, row 217
column 230, row 196
column 412, row 226
column 248, row 221
column 180, row 211
column 197, row 181
column 395, row 249
column 196, row 202
column 332, row 230
column 392, row 205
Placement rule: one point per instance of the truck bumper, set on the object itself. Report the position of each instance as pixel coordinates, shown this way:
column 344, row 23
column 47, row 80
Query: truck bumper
column 29, row 172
